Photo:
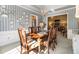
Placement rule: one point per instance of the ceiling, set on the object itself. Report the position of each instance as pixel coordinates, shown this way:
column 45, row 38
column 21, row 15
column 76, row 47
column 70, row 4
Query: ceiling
column 39, row 9
column 47, row 8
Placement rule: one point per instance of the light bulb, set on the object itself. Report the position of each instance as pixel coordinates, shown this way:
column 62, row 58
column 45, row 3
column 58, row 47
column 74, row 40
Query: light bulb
column 52, row 10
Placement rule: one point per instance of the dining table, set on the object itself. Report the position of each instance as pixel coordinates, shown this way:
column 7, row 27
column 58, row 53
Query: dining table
column 38, row 37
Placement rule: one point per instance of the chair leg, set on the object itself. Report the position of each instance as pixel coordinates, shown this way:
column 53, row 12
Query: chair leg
column 21, row 50
column 48, row 49
column 55, row 41
column 53, row 45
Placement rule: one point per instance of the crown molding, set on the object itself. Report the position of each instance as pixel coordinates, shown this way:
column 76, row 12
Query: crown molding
column 30, row 9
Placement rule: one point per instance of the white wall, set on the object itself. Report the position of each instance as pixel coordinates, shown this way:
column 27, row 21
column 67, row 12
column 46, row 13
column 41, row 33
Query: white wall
column 8, row 37
column 76, row 44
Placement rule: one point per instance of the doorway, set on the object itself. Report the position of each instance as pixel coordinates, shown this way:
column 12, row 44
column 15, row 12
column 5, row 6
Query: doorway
column 59, row 21
column 33, row 20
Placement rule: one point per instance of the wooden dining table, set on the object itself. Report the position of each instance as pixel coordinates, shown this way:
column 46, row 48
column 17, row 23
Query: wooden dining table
column 38, row 37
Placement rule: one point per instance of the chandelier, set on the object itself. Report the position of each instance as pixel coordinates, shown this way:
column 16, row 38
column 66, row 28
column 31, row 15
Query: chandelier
column 44, row 11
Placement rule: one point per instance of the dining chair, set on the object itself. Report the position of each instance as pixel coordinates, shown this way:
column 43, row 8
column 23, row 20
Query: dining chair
column 25, row 45
column 52, row 35
column 34, row 29
column 23, row 41
column 44, row 43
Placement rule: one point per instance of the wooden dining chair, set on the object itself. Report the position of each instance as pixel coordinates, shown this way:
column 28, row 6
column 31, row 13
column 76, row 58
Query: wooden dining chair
column 25, row 45
column 44, row 43
column 52, row 42
column 23, row 41
column 34, row 29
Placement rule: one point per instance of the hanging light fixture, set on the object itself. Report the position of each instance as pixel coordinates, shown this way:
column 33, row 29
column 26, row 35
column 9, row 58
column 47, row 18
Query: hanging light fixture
column 77, row 11
column 44, row 11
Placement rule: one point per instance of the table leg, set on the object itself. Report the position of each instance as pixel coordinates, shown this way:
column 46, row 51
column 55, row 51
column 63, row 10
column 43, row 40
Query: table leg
column 39, row 45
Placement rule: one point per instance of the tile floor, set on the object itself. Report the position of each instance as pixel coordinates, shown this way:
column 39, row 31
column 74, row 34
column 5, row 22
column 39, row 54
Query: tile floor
column 64, row 46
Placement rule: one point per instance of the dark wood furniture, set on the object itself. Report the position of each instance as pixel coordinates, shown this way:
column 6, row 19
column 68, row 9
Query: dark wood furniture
column 25, row 47
column 40, row 38
column 23, row 41
column 52, row 35
column 33, row 29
